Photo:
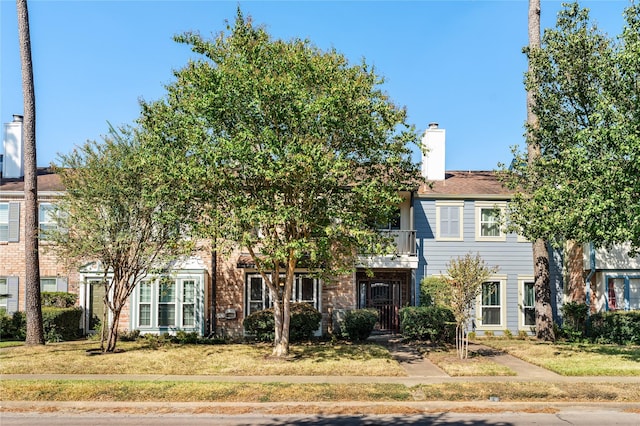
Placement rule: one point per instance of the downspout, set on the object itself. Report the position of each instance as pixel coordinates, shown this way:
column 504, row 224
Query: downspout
column 214, row 281
column 587, row 281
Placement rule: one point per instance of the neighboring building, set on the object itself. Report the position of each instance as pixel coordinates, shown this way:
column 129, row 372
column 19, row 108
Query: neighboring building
column 459, row 213
column 614, row 278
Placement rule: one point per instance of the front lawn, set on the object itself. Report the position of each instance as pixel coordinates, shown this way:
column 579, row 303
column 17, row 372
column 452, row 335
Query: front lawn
column 220, row 360
column 573, row 359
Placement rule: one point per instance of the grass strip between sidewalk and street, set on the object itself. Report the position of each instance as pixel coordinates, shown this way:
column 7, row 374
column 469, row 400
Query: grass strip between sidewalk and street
column 147, row 391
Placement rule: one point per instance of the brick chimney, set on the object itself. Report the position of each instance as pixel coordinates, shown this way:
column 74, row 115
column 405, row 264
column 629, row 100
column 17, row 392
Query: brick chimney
column 13, row 158
column 433, row 160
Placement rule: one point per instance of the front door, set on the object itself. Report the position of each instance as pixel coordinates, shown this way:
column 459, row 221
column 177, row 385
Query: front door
column 96, row 305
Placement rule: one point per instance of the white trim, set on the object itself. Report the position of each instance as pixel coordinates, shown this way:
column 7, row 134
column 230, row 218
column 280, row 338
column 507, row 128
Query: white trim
column 460, row 205
column 522, row 279
column 502, row 280
column 478, row 207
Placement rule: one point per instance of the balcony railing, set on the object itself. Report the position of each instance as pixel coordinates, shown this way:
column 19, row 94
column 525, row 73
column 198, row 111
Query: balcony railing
column 404, row 240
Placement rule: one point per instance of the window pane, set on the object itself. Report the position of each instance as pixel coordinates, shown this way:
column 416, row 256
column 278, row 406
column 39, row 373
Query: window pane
column 529, row 316
column 634, row 293
column 255, row 292
column 166, row 315
column 254, row 307
column 189, row 291
column 491, row 293
column 144, row 315
column 145, row 292
column 167, row 291
column 48, row 284
column 4, row 221
column 529, row 298
column 489, row 225
column 306, row 289
column 188, row 315
column 491, row 316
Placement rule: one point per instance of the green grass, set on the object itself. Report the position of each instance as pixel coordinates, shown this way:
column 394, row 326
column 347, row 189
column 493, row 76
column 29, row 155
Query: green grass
column 10, row 343
column 573, row 359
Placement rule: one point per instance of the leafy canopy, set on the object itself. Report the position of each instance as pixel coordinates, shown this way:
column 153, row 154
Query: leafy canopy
column 584, row 186
column 291, row 149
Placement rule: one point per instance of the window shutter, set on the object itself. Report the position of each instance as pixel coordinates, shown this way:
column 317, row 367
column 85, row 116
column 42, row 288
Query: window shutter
column 62, row 284
column 14, row 222
column 12, row 289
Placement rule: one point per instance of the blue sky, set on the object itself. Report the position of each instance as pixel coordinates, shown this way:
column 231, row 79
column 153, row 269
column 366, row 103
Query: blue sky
column 458, row 63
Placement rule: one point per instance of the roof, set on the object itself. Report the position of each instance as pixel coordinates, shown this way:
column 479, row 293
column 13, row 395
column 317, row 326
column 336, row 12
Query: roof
column 466, row 183
column 47, row 181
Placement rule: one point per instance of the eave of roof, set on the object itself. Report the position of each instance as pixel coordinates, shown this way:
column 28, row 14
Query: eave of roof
column 466, row 184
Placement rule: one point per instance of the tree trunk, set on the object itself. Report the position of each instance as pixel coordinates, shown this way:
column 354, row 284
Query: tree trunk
column 33, row 304
column 544, row 314
column 113, row 331
column 574, row 272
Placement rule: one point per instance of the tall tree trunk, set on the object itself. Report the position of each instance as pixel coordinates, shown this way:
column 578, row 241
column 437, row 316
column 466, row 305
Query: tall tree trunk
column 544, row 313
column 574, row 272
column 33, row 304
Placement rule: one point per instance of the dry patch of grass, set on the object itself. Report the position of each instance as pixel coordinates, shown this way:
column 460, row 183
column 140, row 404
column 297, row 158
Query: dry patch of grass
column 234, row 360
column 145, row 391
column 573, row 359
column 475, row 365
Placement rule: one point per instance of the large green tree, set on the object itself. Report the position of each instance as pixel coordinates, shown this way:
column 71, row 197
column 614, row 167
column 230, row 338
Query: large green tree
column 118, row 212
column 582, row 185
column 294, row 153
column 33, row 307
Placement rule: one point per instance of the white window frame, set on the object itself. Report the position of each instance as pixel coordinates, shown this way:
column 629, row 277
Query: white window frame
column 502, row 280
column 147, row 302
column 4, row 289
column 177, row 302
column 50, row 223
column 522, row 294
column 296, row 295
column 188, row 301
column 489, row 205
column 4, row 221
column 450, row 205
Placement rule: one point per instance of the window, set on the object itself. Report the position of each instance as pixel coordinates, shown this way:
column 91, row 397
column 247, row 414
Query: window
column 167, row 303
column 488, row 226
column 47, row 219
column 305, row 289
column 48, row 284
column 4, row 290
column 10, row 222
column 188, row 303
column 491, row 303
column 623, row 293
column 144, row 304
column 449, row 220
column 528, row 304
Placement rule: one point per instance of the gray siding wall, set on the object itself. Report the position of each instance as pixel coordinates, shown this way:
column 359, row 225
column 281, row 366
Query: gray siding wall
column 513, row 257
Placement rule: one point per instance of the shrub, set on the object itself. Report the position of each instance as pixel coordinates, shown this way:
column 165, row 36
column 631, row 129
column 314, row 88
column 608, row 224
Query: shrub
column 58, row 299
column 358, row 324
column 183, row 337
column 574, row 317
column 618, row 327
column 13, row 327
column 507, row 333
column 433, row 323
column 129, row 336
column 61, row 323
column 434, row 291
column 305, row 320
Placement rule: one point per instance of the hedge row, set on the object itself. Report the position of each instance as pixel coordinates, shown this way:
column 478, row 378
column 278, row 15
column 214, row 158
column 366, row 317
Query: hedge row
column 433, row 323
